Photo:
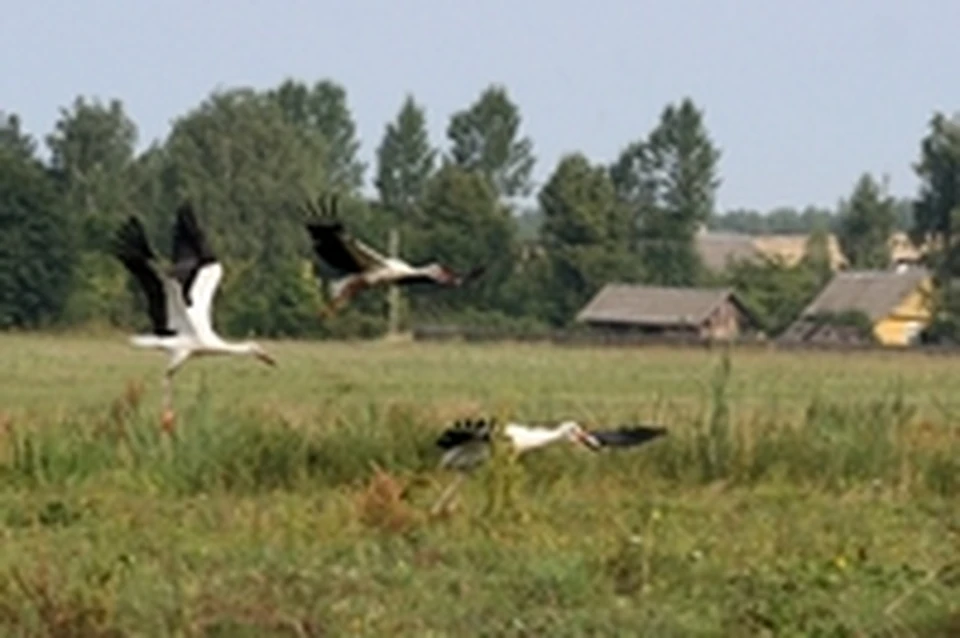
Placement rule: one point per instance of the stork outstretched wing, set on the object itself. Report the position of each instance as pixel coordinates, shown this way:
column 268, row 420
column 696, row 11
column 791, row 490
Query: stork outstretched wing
column 335, row 246
column 164, row 301
column 195, row 267
column 628, row 435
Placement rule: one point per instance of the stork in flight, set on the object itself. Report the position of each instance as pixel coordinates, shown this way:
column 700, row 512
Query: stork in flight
column 468, row 444
column 357, row 266
column 179, row 298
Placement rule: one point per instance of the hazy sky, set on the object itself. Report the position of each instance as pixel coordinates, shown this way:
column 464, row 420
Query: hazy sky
column 801, row 96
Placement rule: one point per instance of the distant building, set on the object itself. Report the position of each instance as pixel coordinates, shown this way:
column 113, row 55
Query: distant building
column 718, row 250
column 894, row 301
column 792, row 248
column 903, row 252
column 702, row 313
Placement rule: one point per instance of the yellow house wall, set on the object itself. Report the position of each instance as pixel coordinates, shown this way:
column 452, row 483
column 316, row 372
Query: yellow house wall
column 912, row 314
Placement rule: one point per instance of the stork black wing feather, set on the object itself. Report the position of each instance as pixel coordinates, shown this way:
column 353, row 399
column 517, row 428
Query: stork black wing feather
column 191, row 251
column 328, row 240
column 463, row 433
column 131, row 247
column 628, row 436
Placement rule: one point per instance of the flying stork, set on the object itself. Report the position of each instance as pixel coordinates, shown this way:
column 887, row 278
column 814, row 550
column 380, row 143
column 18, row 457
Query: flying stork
column 467, row 444
column 179, row 298
column 357, row 266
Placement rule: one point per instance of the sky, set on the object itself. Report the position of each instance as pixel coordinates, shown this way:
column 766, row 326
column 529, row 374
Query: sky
column 801, row 97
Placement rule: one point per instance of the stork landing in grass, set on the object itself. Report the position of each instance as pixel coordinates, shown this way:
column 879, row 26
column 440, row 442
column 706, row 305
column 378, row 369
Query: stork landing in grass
column 468, row 444
column 179, row 298
column 357, row 266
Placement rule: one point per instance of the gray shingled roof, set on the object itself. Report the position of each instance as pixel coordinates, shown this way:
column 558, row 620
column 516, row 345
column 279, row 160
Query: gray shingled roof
column 652, row 305
column 717, row 249
column 874, row 292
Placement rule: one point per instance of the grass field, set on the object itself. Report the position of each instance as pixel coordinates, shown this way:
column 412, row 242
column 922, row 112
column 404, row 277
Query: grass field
column 797, row 494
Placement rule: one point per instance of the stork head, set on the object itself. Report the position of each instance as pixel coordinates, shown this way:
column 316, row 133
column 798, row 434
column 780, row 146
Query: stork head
column 576, row 434
column 442, row 275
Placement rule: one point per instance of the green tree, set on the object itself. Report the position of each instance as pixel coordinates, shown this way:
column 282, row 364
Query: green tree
column 323, row 109
column 464, row 227
column 246, row 169
column 816, row 256
column 36, row 250
column 12, row 137
column 670, row 181
column 486, row 138
column 936, row 218
column 587, row 235
column 774, row 291
column 866, row 222
column 405, row 159
column 781, row 220
column 92, row 151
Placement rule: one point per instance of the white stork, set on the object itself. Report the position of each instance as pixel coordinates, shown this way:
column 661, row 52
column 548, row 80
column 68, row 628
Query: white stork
column 179, row 299
column 467, row 444
column 357, row 266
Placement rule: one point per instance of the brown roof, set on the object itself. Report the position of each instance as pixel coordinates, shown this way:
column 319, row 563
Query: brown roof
column 792, row 248
column 874, row 292
column 652, row 305
column 717, row 249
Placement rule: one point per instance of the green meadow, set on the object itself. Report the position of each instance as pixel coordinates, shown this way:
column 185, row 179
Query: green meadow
column 797, row 494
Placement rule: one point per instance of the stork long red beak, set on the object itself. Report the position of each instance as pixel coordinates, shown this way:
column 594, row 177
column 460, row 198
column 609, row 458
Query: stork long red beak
column 588, row 441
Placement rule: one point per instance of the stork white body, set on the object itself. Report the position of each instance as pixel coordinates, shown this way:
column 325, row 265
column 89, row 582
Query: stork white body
column 525, row 438
column 179, row 302
column 357, row 266
column 467, row 444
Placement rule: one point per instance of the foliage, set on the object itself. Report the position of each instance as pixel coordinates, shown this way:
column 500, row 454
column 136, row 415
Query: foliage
column 12, row 138
column 465, row 227
column 937, row 218
column 854, row 319
column 774, row 291
column 816, row 256
column 36, row 246
column 779, row 221
column 865, row 224
column 669, row 180
column 405, row 160
column 587, row 234
column 92, row 154
column 248, row 169
column 247, row 159
column 322, row 110
column 485, row 138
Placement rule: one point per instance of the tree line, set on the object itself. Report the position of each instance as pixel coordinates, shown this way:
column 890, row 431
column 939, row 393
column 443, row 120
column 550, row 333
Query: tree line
column 248, row 159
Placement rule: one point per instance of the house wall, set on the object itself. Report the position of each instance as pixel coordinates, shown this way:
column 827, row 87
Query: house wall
column 901, row 326
column 723, row 323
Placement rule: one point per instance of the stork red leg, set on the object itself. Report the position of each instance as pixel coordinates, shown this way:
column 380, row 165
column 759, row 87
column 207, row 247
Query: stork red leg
column 167, row 417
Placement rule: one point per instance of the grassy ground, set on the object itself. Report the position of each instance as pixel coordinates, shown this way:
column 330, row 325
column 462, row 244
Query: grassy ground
column 796, row 495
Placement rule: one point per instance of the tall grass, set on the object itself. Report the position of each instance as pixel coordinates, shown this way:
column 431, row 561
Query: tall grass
column 876, row 442
column 833, row 517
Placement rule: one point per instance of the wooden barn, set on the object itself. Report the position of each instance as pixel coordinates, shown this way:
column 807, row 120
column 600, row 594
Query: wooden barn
column 893, row 301
column 700, row 313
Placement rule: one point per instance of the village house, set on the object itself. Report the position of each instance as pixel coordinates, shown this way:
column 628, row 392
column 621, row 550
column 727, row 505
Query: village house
column 718, row 250
column 700, row 313
column 894, row 302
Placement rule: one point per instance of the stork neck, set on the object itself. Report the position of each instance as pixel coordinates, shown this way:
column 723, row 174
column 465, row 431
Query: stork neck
column 233, row 347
